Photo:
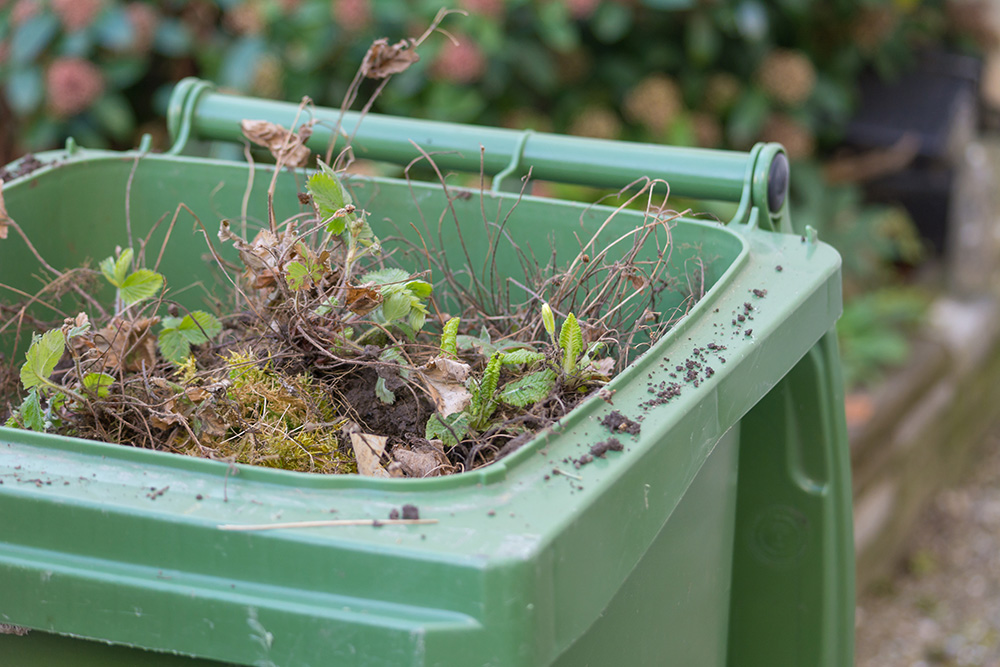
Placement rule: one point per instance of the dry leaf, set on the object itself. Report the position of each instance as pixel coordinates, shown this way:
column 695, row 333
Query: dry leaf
column 368, row 449
column 605, row 366
column 424, row 461
column 121, row 345
column 362, row 299
column 445, row 380
column 287, row 147
column 3, row 214
column 383, row 60
column 261, row 257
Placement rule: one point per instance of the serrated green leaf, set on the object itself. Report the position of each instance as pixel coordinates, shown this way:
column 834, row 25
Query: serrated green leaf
column 199, row 327
column 390, row 277
column 139, row 286
column 78, row 330
column 449, row 338
column 529, row 389
column 107, row 266
column 122, row 265
column 383, row 393
column 32, row 416
column 396, row 306
column 451, row 430
column 483, row 402
column 521, row 357
column 416, row 319
column 42, row 357
column 173, row 345
column 420, row 289
column 296, row 274
column 481, row 345
column 99, row 383
column 571, row 342
column 330, row 196
column 393, row 355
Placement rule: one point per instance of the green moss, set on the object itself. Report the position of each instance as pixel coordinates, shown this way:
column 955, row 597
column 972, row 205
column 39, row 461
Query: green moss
column 278, row 420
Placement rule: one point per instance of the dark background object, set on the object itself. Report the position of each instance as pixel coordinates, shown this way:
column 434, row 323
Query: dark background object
column 936, row 102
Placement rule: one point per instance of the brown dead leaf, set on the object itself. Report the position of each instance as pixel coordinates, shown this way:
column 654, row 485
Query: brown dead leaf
column 362, row 299
column 264, row 253
column 605, row 366
column 445, row 381
column 121, row 345
column 383, row 60
column 423, row 461
column 196, row 394
column 3, row 214
column 368, row 450
column 287, row 147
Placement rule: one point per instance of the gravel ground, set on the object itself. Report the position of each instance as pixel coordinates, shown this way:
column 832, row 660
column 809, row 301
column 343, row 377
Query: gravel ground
column 942, row 608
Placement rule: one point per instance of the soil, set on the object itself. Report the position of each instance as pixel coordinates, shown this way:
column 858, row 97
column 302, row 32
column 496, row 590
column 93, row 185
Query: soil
column 605, row 446
column 616, row 422
column 406, row 416
column 28, row 164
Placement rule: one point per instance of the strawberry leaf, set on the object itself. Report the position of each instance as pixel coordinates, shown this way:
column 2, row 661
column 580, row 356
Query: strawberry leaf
column 139, row 286
column 42, row 357
column 98, row 383
column 199, row 327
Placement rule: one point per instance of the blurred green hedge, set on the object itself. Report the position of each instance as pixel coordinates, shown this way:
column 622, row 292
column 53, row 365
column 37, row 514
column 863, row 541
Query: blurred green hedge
column 710, row 74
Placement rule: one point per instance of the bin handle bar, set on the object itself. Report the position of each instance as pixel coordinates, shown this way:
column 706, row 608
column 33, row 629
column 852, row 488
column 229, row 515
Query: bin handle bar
column 198, row 111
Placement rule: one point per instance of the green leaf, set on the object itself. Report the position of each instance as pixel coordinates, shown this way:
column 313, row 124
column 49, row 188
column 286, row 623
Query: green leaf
column 521, row 357
column 25, row 90
column 571, row 342
column 173, row 345
column 420, row 288
column 42, row 357
column 330, row 196
column 99, row 383
column 122, row 265
column 529, row 389
column 199, row 327
column 393, row 355
column 139, row 286
column 383, row 393
column 396, row 306
column 449, row 338
column 31, row 37
column 387, row 277
column 32, row 416
column 483, row 401
column 548, row 319
column 417, row 319
column 115, row 115
column 450, row 430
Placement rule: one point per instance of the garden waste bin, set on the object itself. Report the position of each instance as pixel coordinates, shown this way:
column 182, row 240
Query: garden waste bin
column 720, row 535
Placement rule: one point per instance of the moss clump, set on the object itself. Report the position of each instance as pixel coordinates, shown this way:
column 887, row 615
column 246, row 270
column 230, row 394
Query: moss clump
column 278, row 420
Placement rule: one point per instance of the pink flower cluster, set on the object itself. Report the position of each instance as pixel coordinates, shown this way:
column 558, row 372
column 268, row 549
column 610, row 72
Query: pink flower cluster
column 459, row 62
column 76, row 14
column 72, row 85
column 352, row 15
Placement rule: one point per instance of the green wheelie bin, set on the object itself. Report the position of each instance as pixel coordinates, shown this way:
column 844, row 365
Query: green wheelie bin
column 720, row 535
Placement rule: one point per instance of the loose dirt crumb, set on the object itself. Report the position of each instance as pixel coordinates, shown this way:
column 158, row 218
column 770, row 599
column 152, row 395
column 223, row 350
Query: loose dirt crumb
column 619, row 423
column 410, row 512
column 609, row 445
column 28, row 164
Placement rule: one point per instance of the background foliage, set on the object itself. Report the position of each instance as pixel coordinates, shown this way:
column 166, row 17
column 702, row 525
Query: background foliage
column 713, row 74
